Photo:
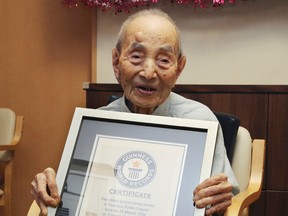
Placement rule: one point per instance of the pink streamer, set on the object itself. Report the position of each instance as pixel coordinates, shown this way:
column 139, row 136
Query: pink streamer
column 126, row 5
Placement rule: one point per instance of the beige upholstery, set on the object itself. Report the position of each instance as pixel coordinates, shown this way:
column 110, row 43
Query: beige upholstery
column 10, row 133
column 241, row 163
column 7, row 127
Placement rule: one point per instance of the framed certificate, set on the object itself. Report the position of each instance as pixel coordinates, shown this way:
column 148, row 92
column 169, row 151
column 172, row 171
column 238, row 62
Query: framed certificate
column 122, row 164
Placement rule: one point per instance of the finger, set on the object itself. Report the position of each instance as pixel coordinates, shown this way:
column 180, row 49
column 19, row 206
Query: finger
column 33, row 189
column 219, row 207
column 214, row 180
column 35, row 194
column 40, row 188
column 51, row 184
column 224, row 187
column 213, row 200
column 42, row 206
column 40, row 184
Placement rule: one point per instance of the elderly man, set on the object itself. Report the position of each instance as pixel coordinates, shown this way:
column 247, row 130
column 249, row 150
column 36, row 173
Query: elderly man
column 147, row 61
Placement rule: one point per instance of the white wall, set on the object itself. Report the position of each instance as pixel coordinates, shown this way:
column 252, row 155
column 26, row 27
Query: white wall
column 246, row 43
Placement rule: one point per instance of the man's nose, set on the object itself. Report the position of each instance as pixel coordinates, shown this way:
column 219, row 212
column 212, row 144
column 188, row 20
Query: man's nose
column 149, row 70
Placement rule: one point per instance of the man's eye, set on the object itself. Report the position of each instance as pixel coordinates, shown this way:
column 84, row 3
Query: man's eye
column 164, row 62
column 135, row 58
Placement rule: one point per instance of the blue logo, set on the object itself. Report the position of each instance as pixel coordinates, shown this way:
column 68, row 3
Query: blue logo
column 135, row 169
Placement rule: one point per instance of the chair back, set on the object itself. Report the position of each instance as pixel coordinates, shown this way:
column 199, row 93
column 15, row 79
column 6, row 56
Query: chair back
column 7, row 125
column 238, row 143
column 7, row 129
column 241, row 163
column 229, row 124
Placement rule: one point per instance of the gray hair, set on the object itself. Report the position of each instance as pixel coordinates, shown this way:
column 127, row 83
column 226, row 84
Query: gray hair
column 147, row 12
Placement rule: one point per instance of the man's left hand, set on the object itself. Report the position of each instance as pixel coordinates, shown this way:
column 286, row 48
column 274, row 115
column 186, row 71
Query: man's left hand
column 214, row 194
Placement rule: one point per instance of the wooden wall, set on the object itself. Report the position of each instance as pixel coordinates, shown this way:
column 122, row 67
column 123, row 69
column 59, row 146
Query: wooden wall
column 261, row 109
column 44, row 58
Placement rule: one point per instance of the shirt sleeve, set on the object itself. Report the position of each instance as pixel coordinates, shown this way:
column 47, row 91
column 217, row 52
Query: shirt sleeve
column 221, row 163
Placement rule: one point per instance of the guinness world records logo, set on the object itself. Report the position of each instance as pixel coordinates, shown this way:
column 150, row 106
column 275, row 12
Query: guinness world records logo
column 135, row 169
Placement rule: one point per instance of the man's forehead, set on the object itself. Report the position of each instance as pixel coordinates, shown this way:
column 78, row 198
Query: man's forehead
column 140, row 39
column 139, row 36
column 141, row 46
column 151, row 25
column 151, row 30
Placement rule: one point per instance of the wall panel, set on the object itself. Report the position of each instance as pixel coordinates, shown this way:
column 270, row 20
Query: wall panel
column 277, row 174
column 45, row 55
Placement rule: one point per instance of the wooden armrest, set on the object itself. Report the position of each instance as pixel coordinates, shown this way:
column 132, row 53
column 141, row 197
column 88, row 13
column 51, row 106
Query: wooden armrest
column 8, row 147
column 16, row 137
column 34, row 209
column 253, row 191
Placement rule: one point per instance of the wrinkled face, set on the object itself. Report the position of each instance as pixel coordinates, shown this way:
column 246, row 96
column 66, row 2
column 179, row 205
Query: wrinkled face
column 148, row 65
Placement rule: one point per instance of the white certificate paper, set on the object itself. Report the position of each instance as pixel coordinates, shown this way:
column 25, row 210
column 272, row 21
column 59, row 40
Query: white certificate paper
column 132, row 177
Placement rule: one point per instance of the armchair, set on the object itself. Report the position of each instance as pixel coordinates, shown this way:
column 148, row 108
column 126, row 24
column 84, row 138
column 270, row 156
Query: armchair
column 10, row 133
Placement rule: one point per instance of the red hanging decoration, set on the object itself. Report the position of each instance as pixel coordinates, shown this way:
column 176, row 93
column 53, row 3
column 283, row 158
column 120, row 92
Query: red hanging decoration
column 125, row 5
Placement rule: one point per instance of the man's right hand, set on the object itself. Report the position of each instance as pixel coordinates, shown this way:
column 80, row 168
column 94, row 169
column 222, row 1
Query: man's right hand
column 44, row 190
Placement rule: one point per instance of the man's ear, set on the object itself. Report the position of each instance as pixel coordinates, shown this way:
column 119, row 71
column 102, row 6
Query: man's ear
column 115, row 63
column 181, row 65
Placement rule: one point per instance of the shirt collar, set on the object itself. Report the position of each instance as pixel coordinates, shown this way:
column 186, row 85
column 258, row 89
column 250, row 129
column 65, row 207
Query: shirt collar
column 161, row 110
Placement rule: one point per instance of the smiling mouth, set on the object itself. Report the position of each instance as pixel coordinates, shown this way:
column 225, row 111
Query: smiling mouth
column 146, row 90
